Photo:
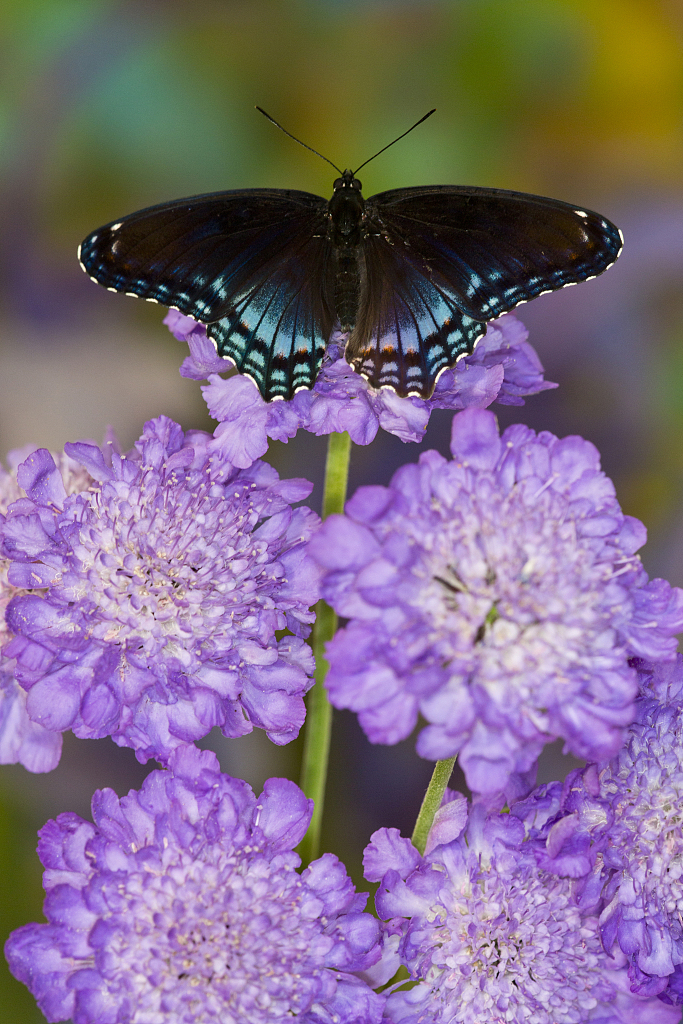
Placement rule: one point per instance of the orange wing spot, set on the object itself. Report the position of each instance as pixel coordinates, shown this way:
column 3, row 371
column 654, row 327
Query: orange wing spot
column 303, row 351
column 388, row 349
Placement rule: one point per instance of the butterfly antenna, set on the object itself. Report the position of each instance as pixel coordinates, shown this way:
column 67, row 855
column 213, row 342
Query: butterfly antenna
column 272, row 119
column 395, row 140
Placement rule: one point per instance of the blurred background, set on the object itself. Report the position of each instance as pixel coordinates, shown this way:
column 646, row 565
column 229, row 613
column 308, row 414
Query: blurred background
column 107, row 107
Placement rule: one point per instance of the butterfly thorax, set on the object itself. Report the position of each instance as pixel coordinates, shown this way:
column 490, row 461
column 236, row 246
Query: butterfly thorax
column 346, row 234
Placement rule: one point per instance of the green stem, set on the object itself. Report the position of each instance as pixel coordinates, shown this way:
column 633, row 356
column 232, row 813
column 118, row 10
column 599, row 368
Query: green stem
column 431, row 802
column 336, row 473
column 319, row 712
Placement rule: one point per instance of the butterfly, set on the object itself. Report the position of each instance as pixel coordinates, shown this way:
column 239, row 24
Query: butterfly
column 413, row 274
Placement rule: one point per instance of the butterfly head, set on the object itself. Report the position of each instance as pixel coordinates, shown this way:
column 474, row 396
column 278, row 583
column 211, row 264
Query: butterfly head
column 347, row 181
column 346, row 210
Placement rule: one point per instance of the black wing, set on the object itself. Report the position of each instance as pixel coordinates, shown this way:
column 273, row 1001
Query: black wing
column 254, row 265
column 452, row 258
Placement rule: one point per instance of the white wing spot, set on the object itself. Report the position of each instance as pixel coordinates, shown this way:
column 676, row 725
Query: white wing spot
column 133, row 295
column 581, row 213
column 213, row 341
column 108, row 289
column 152, row 300
column 114, row 227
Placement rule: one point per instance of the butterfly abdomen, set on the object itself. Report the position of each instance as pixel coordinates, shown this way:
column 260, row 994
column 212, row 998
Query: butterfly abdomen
column 346, row 288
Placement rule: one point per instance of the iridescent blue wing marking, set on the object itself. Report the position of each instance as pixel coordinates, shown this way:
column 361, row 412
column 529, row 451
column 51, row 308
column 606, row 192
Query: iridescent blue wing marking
column 253, row 265
column 463, row 255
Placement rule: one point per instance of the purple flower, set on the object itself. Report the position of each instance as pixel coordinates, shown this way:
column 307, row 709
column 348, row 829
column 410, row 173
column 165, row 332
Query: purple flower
column 617, row 828
column 560, row 821
column 499, row 595
column 643, row 843
column 21, row 740
column 487, row 936
column 159, row 594
column 182, row 904
column 503, row 368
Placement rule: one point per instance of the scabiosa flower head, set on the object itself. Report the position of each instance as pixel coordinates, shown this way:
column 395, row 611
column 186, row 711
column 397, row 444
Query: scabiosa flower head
column 488, row 937
column 642, row 842
column 499, row 595
column 182, row 905
column 158, row 594
column 21, row 740
column 503, row 367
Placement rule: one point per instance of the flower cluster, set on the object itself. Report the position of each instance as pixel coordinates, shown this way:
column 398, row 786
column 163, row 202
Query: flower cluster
column 619, row 828
column 22, row 740
column 500, row 596
column 503, row 367
column 157, row 595
column 486, row 935
column 182, row 904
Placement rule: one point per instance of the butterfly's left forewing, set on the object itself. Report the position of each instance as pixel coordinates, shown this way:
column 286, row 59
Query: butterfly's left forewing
column 442, row 260
column 496, row 248
column 253, row 265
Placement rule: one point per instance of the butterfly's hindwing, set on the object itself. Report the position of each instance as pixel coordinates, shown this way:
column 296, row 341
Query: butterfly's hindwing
column 409, row 326
column 277, row 329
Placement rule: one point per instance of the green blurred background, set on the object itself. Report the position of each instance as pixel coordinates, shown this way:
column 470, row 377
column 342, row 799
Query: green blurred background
column 107, row 107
